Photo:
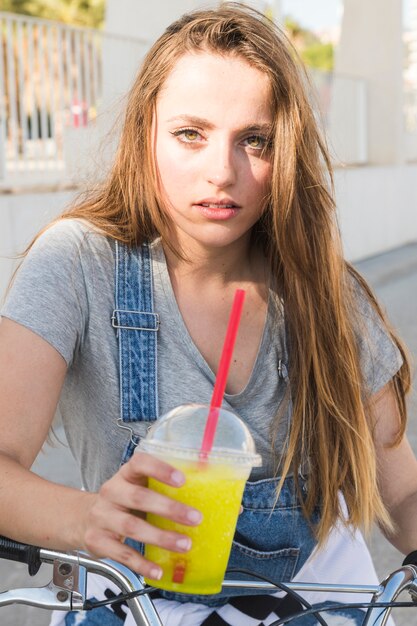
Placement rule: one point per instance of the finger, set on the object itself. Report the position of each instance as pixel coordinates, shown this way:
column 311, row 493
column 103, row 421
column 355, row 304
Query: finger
column 106, row 545
column 124, row 524
column 140, row 498
column 142, row 464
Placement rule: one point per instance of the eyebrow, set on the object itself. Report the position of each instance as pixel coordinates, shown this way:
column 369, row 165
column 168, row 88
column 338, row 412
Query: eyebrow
column 201, row 121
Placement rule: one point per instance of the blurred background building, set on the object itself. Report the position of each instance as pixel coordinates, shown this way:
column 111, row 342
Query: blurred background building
column 65, row 68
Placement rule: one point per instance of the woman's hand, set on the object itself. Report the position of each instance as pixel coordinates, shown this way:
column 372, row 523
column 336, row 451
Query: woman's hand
column 118, row 511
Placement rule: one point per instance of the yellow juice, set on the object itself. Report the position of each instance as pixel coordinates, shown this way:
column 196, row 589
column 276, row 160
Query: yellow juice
column 216, row 491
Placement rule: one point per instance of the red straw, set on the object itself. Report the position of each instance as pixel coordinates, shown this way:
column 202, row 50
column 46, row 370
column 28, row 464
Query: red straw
column 221, row 379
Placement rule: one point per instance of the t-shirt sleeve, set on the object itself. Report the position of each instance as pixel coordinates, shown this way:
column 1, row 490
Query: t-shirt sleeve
column 380, row 358
column 48, row 294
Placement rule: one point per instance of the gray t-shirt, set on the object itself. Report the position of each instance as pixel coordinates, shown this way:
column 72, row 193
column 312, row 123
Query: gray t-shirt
column 64, row 292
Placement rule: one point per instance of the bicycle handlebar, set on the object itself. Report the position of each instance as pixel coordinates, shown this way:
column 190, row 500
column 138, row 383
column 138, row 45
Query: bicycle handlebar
column 411, row 559
column 22, row 553
column 68, row 588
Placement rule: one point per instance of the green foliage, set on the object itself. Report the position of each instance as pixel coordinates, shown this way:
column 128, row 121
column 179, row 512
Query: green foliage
column 319, row 55
column 312, row 50
column 13, row 6
column 77, row 12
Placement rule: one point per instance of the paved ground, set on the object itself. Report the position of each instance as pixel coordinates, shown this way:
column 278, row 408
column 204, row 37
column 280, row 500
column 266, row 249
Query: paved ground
column 394, row 277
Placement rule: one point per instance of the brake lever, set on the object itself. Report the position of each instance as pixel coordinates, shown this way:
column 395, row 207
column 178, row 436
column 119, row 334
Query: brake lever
column 48, row 597
column 65, row 592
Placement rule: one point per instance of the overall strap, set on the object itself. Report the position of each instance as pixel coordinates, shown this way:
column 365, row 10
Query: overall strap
column 137, row 327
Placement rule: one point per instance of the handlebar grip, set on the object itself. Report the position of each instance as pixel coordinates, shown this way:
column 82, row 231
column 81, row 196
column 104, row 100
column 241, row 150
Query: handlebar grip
column 22, row 553
column 411, row 559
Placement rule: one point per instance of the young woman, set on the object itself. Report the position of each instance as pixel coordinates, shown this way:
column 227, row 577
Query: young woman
column 119, row 310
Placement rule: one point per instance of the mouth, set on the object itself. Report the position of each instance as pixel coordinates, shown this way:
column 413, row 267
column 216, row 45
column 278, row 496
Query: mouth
column 219, row 205
column 220, row 210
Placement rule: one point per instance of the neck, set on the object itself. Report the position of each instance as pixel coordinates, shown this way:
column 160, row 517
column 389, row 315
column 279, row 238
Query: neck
column 224, row 265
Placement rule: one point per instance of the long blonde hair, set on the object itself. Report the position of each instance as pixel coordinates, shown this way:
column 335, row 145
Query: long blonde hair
column 298, row 231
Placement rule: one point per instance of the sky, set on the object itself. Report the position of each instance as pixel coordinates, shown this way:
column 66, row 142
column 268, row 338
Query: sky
column 314, row 14
column 319, row 15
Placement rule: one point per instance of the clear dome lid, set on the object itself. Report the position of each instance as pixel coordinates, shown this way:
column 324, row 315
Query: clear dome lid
column 180, row 432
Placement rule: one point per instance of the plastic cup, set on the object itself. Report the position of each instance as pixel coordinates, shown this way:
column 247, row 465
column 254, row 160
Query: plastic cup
column 214, row 485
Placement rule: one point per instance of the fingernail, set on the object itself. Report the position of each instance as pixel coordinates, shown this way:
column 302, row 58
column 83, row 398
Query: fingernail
column 156, row 573
column 194, row 516
column 184, row 543
column 177, row 477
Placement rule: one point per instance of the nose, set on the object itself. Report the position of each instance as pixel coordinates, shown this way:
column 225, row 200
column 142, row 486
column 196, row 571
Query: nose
column 221, row 164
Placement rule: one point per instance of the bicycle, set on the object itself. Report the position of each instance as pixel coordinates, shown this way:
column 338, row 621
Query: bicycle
column 67, row 589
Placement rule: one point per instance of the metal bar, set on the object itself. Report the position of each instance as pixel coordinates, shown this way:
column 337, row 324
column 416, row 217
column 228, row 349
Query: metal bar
column 96, row 69
column 86, row 40
column 60, row 113
column 78, row 80
column 42, row 94
column 49, row 88
column 22, row 93
column 32, row 101
column 3, row 138
column 68, row 72
column 11, row 91
column 391, row 587
column 300, row 586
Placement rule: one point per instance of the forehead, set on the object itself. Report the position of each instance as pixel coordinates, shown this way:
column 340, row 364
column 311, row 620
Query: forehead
column 206, row 84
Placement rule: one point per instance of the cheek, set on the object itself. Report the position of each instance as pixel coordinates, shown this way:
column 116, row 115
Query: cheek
column 171, row 160
column 262, row 173
column 172, row 170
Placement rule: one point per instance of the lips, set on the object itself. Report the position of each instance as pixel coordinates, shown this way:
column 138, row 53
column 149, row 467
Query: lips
column 216, row 203
column 218, row 209
column 213, row 205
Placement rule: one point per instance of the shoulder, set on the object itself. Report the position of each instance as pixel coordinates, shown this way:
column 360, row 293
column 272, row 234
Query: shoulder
column 62, row 276
column 379, row 354
column 70, row 245
column 70, row 234
column 368, row 315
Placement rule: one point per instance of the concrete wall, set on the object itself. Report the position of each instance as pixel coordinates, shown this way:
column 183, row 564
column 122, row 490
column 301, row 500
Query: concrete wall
column 371, row 48
column 21, row 216
column 377, row 208
column 377, row 211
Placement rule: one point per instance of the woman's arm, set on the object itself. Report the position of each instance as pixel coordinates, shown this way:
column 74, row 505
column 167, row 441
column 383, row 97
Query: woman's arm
column 397, row 471
column 40, row 512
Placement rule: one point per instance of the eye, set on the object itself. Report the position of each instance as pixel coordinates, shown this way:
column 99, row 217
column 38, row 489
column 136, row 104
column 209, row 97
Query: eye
column 256, row 142
column 187, row 135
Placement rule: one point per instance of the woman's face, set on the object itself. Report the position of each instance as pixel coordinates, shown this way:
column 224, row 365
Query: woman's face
column 213, row 116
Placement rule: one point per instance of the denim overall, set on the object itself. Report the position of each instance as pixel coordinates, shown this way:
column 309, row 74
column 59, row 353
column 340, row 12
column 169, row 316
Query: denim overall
column 272, row 539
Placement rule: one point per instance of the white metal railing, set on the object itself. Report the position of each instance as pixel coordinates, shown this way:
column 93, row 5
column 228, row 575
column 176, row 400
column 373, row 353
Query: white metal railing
column 54, row 80
column 50, row 79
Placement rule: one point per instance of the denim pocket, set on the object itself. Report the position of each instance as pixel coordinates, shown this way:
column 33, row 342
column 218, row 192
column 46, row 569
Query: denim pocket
column 275, row 565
